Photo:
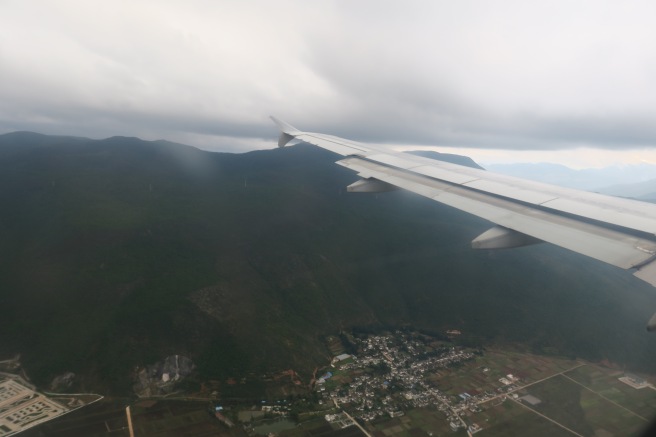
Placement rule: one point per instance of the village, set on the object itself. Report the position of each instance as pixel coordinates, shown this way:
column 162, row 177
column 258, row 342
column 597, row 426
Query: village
column 392, row 374
column 401, row 378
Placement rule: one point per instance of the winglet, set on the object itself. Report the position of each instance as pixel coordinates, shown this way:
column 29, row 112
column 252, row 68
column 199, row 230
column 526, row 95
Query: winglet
column 287, row 131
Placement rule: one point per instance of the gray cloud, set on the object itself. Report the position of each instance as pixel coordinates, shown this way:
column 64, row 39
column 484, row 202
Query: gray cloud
column 507, row 74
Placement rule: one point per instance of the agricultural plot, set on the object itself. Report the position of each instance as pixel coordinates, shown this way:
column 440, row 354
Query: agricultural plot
column 605, row 382
column 335, row 346
column 415, row 423
column 319, row 428
column 483, row 374
column 581, row 397
column 508, row 418
column 582, row 410
column 162, row 419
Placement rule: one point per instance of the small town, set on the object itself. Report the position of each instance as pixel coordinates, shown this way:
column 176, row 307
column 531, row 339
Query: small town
column 400, row 383
column 393, row 374
column 405, row 372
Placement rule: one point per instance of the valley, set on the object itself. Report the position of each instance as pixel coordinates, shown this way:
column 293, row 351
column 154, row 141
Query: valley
column 400, row 383
column 118, row 254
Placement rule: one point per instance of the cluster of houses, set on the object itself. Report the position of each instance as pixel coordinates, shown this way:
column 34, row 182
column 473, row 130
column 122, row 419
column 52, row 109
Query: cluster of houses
column 401, row 385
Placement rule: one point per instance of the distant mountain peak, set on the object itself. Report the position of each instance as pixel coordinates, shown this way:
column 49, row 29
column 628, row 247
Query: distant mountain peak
column 592, row 179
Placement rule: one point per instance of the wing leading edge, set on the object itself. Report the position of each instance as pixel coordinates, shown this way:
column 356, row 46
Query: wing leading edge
column 621, row 232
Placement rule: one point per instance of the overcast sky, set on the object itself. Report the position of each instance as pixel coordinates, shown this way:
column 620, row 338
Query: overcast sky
column 532, row 77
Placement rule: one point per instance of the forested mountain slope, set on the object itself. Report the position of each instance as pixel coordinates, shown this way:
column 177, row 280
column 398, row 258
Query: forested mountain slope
column 118, row 252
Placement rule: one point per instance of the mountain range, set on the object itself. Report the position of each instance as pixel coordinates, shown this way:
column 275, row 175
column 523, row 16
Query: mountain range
column 635, row 180
column 117, row 253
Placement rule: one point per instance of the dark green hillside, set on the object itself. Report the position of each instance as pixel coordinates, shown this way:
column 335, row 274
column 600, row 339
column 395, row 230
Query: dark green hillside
column 118, row 252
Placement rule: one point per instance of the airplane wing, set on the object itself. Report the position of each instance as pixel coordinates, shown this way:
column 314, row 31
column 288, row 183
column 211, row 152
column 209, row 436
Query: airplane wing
column 621, row 232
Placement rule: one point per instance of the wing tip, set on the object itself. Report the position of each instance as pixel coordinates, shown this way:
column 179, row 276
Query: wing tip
column 284, row 127
column 287, row 131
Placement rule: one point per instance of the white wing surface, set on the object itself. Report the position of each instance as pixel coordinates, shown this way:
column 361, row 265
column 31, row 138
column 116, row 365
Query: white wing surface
column 621, row 232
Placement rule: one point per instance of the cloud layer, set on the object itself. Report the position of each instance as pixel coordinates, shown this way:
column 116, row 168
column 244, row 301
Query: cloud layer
column 502, row 75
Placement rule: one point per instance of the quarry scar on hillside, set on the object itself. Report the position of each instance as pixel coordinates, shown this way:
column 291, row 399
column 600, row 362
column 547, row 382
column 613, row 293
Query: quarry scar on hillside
column 618, row 231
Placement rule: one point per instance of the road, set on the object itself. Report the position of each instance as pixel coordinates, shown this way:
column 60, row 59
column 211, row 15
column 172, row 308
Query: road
column 545, row 417
column 571, row 379
column 604, row 397
column 505, row 396
column 530, row 384
column 352, row 419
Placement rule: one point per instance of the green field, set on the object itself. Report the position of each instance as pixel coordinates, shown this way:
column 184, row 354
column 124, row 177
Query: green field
column 320, row 428
column 508, row 419
column 161, row 418
column 473, row 377
column 579, row 396
column 416, row 422
column 582, row 410
column 606, row 383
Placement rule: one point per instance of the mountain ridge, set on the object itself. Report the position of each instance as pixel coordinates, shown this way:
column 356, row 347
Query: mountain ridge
column 130, row 251
column 590, row 179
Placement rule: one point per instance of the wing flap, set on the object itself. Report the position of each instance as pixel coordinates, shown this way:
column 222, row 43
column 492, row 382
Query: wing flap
column 612, row 213
column 647, row 273
column 511, row 191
